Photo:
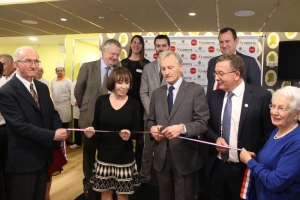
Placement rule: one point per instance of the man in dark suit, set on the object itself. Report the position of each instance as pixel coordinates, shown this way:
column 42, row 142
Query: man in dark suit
column 178, row 108
column 228, row 41
column 32, row 125
column 88, row 88
column 244, row 122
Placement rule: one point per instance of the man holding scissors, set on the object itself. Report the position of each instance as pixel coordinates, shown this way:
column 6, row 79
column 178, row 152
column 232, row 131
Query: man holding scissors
column 239, row 117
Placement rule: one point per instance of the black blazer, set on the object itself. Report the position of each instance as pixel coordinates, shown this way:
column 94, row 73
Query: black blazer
column 255, row 122
column 251, row 73
column 30, row 130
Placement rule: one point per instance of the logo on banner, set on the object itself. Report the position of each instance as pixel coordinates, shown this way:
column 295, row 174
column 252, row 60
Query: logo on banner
column 241, row 42
column 172, row 48
column 193, row 56
column 155, row 56
column 172, row 43
column 252, row 49
column 211, row 49
column 194, row 42
column 187, row 64
column 193, row 70
column 200, row 42
column 187, row 78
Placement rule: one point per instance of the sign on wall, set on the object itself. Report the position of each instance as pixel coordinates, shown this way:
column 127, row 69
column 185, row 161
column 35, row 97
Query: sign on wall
column 196, row 51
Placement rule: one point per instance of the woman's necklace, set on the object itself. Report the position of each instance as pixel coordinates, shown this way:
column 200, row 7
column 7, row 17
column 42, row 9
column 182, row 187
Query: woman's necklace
column 282, row 135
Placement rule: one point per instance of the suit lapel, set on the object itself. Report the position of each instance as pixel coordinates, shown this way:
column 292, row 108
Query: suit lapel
column 164, row 102
column 218, row 107
column 247, row 99
column 156, row 69
column 97, row 73
column 23, row 91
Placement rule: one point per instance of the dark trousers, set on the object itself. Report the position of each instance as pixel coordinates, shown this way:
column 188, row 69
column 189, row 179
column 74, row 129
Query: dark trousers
column 27, row 186
column 203, row 179
column 89, row 154
column 78, row 136
column 226, row 181
column 173, row 185
column 3, row 157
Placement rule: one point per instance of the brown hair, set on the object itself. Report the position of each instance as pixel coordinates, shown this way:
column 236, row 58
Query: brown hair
column 236, row 62
column 118, row 74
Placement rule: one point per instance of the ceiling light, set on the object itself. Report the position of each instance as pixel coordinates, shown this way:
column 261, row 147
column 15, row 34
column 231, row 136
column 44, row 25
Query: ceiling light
column 244, row 13
column 29, row 22
column 192, row 14
column 101, row 17
column 63, row 19
column 33, row 38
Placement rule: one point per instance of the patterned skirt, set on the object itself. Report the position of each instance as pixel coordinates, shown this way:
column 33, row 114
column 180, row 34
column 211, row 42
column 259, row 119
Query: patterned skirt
column 120, row 177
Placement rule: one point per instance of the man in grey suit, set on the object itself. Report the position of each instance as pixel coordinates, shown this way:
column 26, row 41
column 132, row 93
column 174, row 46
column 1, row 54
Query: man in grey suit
column 151, row 80
column 89, row 86
column 177, row 109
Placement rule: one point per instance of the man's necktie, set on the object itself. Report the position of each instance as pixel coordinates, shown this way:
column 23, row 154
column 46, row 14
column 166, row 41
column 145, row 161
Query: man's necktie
column 170, row 98
column 104, row 84
column 34, row 95
column 160, row 76
column 226, row 124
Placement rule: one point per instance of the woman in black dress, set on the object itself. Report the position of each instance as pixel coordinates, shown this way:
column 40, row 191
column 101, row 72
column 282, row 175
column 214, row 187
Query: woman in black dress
column 135, row 64
column 115, row 167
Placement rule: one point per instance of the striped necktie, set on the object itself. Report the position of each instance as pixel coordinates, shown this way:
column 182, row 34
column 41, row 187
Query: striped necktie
column 34, row 95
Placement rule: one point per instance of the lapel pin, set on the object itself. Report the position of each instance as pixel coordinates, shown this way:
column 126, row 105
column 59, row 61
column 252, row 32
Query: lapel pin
column 246, row 105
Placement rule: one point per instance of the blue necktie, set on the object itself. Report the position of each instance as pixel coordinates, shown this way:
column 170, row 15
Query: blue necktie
column 170, row 98
column 226, row 124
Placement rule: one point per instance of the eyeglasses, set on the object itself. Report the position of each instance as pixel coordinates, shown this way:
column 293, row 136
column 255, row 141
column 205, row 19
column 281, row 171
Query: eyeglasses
column 221, row 74
column 30, row 62
column 279, row 108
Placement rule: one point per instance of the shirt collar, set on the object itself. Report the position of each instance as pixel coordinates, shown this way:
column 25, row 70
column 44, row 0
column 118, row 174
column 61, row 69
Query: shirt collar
column 239, row 90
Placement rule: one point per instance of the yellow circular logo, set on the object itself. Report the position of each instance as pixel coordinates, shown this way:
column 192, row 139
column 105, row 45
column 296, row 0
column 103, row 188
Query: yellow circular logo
column 271, row 78
column 273, row 40
column 110, row 35
column 123, row 39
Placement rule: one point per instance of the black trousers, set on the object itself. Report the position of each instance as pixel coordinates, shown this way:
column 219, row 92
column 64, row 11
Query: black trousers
column 3, row 157
column 27, row 186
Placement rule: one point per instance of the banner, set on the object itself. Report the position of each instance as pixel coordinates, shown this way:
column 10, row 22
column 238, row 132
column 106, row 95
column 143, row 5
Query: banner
column 196, row 51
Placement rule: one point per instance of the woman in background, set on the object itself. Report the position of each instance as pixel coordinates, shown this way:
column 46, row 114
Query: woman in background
column 135, row 63
column 276, row 169
column 115, row 167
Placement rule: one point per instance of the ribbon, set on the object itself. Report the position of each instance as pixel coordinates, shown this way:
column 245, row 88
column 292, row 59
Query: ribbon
column 149, row 132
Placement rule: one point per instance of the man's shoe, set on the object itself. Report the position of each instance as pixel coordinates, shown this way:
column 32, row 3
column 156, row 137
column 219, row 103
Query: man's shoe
column 74, row 146
column 89, row 194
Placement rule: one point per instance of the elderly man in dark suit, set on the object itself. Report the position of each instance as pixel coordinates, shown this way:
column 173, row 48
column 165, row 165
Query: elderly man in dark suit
column 178, row 108
column 239, row 117
column 32, row 125
column 91, row 83
column 228, row 41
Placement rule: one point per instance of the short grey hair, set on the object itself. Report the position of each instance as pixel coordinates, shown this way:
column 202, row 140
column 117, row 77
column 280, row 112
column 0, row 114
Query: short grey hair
column 107, row 44
column 8, row 57
column 291, row 93
column 17, row 52
column 165, row 54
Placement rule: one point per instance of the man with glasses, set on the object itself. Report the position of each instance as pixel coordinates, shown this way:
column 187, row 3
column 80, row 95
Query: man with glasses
column 239, row 117
column 33, row 125
column 228, row 41
column 150, row 81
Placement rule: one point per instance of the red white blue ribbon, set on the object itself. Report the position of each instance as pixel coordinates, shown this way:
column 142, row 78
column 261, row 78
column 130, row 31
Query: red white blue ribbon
column 246, row 185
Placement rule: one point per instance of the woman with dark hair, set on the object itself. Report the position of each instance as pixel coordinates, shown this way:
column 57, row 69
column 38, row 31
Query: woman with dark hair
column 135, row 63
column 115, row 167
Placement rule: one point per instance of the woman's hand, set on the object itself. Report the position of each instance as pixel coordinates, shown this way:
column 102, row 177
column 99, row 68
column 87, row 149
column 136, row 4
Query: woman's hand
column 90, row 131
column 245, row 156
column 125, row 134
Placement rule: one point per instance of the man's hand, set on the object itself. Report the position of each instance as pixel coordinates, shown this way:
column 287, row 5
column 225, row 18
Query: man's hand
column 125, row 134
column 172, row 132
column 221, row 141
column 61, row 134
column 155, row 132
column 90, row 131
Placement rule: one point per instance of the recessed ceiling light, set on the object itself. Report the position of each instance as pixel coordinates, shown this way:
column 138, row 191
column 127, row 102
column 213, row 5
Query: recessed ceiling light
column 101, row 17
column 33, row 38
column 29, row 22
column 192, row 14
column 63, row 19
column 244, row 13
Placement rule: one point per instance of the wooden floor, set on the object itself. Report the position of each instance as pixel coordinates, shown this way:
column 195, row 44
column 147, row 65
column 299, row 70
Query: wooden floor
column 68, row 184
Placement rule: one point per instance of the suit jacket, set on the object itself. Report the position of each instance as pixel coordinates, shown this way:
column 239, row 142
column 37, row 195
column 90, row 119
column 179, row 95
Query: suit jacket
column 150, row 81
column 190, row 108
column 87, row 90
column 30, row 130
column 255, row 122
column 251, row 73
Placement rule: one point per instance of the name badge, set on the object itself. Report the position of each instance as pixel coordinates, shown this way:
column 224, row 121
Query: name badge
column 139, row 70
